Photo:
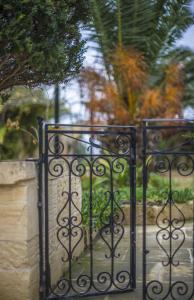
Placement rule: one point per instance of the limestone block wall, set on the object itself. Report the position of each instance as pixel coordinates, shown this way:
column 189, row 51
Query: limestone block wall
column 19, row 248
column 18, row 231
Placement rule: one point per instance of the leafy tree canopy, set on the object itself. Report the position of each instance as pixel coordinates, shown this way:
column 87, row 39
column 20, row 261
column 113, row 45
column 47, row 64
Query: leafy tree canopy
column 150, row 27
column 145, row 71
column 40, row 41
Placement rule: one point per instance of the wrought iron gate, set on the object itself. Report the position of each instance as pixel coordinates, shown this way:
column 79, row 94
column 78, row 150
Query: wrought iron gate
column 168, row 247
column 84, row 167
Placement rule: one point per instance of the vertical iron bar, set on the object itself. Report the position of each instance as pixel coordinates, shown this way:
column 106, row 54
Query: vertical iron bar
column 91, row 221
column 56, row 112
column 40, row 209
column 193, row 249
column 112, row 222
column 144, row 175
column 171, row 229
column 133, row 207
column 56, row 104
column 91, row 207
column 47, row 267
column 70, row 229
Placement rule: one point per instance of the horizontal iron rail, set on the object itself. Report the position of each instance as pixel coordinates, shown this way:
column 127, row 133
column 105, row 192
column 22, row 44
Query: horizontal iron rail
column 169, row 153
column 153, row 127
column 89, row 155
column 89, row 126
column 87, row 132
column 168, row 120
column 90, row 294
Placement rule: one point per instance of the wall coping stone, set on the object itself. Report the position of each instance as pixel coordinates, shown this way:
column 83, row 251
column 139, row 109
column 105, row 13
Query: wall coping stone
column 12, row 172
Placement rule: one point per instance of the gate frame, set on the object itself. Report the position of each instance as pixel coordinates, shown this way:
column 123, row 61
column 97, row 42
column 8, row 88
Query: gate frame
column 145, row 126
column 44, row 269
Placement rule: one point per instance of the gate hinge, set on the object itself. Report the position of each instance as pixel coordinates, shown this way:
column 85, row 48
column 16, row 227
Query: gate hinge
column 42, row 158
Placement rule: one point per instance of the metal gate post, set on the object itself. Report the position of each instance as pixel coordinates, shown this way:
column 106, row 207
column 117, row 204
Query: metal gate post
column 133, row 207
column 40, row 210
column 46, row 212
column 165, row 243
column 144, row 178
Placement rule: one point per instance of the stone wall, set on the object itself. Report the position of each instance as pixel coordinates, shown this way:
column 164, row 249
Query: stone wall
column 18, row 231
column 19, row 248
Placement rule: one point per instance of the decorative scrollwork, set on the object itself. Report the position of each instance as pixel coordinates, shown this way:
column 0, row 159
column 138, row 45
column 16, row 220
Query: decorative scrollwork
column 122, row 280
column 83, row 284
column 119, row 215
column 122, row 143
column 103, row 282
column 179, row 290
column 78, row 166
column 110, row 157
column 69, row 225
column 118, row 165
column 162, row 164
column 100, row 166
column 118, row 234
column 63, row 285
column 171, row 221
column 112, row 226
column 155, row 290
column 55, row 144
column 184, row 164
column 56, row 169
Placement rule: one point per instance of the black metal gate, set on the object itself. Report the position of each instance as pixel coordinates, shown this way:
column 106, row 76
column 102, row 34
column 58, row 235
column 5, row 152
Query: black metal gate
column 87, row 240
column 168, row 247
column 81, row 169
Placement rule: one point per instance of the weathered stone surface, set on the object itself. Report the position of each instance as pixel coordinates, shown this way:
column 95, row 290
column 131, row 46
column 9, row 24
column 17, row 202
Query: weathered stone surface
column 19, row 284
column 19, row 254
column 18, row 211
column 15, row 171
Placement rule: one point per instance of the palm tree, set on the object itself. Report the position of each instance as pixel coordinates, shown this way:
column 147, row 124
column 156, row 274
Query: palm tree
column 136, row 40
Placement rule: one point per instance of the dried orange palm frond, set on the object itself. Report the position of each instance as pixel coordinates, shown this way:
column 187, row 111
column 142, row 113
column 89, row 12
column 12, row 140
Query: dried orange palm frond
column 151, row 103
column 130, row 65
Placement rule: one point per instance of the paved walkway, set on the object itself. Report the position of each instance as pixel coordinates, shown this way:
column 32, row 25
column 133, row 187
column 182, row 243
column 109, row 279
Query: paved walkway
column 155, row 269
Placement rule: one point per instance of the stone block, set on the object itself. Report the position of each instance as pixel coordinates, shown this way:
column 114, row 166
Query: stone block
column 17, row 254
column 19, row 284
column 12, row 172
column 18, row 211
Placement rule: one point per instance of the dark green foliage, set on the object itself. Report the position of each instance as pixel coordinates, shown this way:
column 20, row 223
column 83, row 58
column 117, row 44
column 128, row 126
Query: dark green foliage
column 101, row 207
column 183, row 196
column 101, row 210
column 151, row 27
column 99, row 200
column 157, row 194
column 158, row 190
column 40, row 41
